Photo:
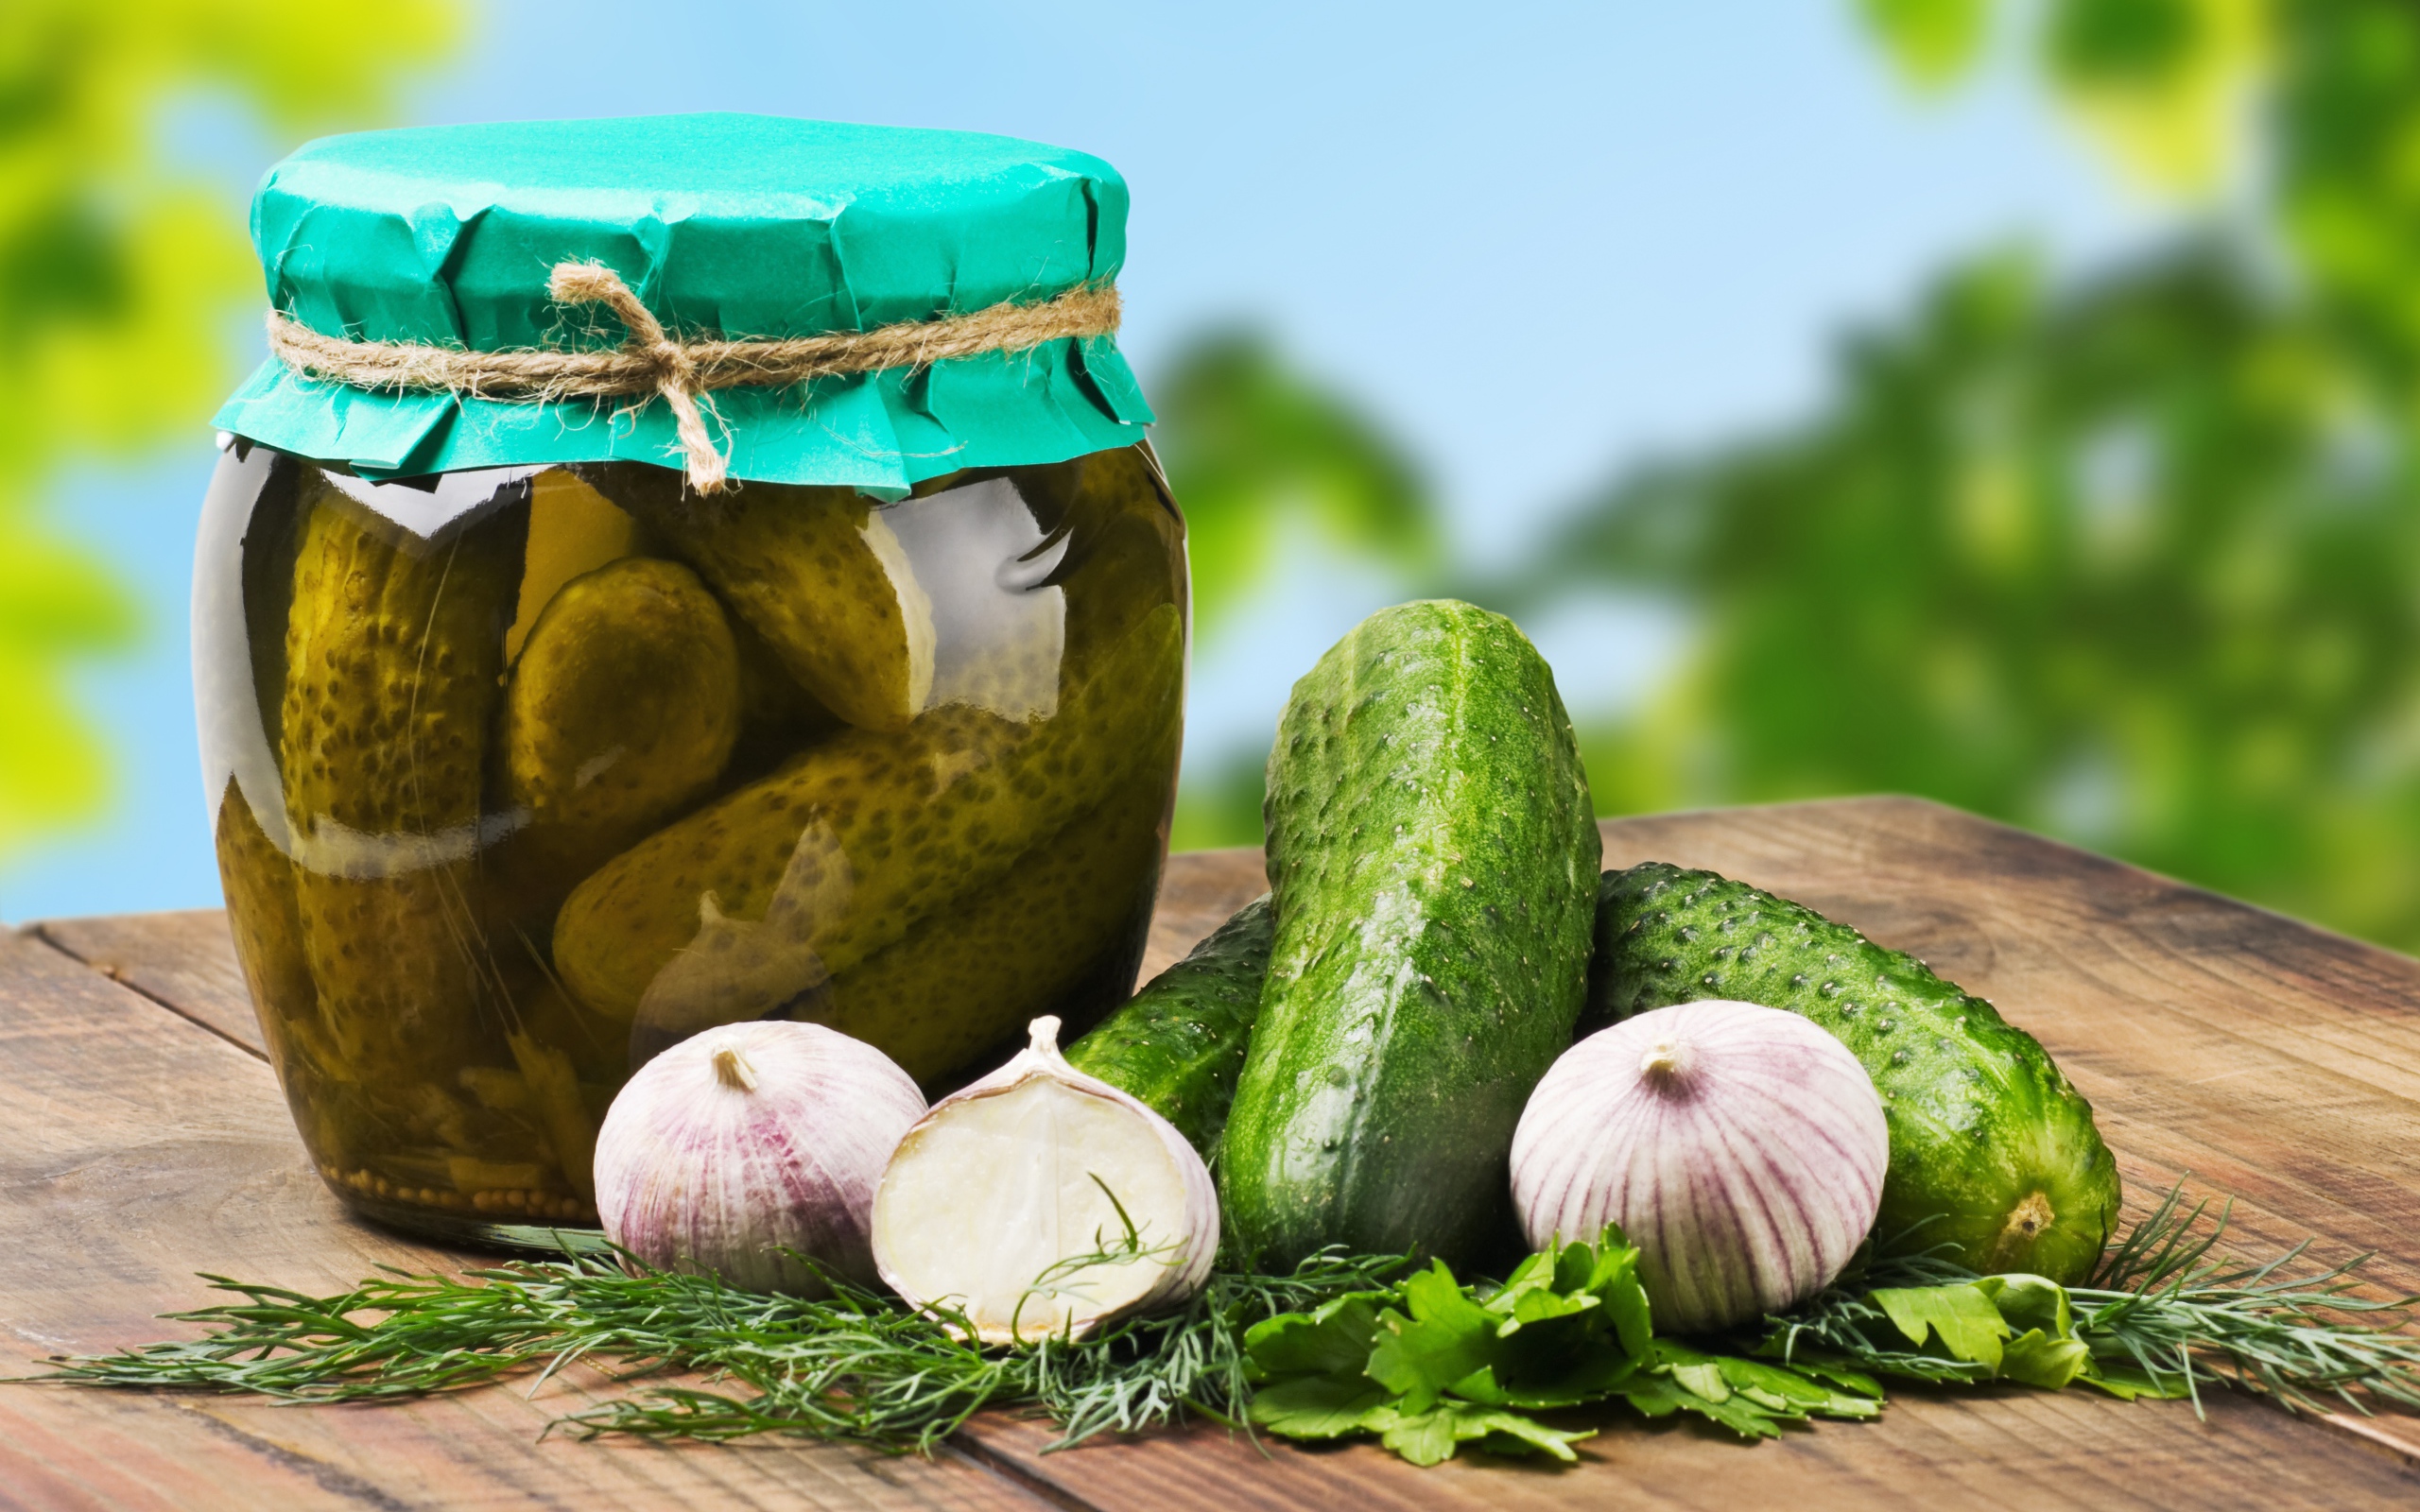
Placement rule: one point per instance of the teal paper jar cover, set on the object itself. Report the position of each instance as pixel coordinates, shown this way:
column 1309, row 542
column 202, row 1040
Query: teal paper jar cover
column 742, row 227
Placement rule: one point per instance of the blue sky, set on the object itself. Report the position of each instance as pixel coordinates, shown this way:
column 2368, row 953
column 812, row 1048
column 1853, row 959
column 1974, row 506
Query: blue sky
column 1536, row 242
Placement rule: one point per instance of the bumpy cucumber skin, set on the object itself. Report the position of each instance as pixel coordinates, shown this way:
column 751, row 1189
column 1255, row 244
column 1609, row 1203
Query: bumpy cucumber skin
column 1433, row 860
column 802, row 875
column 1179, row 1043
column 262, row 915
column 1061, row 932
column 620, row 714
column 815, row 571
column 394, row 665
column 1988, row 1139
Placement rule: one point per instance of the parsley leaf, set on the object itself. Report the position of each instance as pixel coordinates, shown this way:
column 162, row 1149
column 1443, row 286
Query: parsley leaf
column 1433, row 1365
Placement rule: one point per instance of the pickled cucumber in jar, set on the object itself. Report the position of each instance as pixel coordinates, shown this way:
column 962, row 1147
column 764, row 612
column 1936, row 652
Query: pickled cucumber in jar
column 819, row 577
column 620, row 712
column 572, row 679
column 518, row 848
column 394, row 661
column 1059, row 666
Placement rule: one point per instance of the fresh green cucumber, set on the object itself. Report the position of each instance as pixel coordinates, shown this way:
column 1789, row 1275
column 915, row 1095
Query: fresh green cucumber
column 1178, row 1044
column 1992, row 1150
column 1433, row 861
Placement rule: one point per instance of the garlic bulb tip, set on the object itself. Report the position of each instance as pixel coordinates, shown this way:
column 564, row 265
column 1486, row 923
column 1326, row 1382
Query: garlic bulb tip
column 733, row 1070
column 1666, row 1062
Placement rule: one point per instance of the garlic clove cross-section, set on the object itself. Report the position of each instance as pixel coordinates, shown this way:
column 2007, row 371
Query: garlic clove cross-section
column 1003, row 1204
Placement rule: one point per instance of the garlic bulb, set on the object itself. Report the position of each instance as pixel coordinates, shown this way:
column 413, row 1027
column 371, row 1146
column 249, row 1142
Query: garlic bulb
column 995, row 1196
column 751, row 1138
column 1740, row 1148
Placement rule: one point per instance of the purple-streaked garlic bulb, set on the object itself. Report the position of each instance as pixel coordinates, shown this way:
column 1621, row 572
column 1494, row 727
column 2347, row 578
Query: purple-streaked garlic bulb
column 1010, row 1203
column 748, row 1140
column 1740, row 1148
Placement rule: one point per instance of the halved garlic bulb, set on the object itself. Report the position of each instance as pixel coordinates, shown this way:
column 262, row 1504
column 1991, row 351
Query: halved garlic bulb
column 1004, row 1204
column 1740, row 1148
column 750, row 1140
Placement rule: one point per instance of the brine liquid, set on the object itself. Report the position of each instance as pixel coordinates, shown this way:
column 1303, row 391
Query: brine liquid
column 523, row 776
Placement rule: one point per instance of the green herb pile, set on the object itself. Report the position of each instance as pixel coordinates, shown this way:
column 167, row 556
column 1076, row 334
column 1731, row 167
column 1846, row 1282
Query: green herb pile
column 856, row 1366
column 1429, row 1363
column 2160, row 1317
column 1426, row 1365
column 1340, row 1346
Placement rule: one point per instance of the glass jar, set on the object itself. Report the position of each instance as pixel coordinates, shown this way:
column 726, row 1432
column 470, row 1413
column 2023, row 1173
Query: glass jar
column 528, row 773
column 674, row 570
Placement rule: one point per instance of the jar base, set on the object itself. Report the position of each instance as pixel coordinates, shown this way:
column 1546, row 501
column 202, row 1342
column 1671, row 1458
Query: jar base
column 461, row 1228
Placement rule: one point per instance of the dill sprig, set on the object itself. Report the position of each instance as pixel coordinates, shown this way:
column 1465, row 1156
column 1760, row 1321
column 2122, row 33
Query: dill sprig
column 855, row 1366
column 2162, row 1316
column 2159, row 1303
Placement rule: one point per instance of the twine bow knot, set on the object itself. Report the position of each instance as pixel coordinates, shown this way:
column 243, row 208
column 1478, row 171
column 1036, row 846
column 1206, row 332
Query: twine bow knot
column 676, row 375
column 654, row 364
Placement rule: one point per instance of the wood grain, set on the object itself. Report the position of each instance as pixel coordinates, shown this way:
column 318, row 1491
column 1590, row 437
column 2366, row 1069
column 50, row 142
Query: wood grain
column 185, row 961
column 2278, row 1063
column 1200, row 890
column 136, row 1148
column 1928, row 1452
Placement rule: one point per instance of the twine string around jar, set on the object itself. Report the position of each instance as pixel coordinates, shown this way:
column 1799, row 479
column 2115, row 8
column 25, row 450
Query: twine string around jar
column 654, row 364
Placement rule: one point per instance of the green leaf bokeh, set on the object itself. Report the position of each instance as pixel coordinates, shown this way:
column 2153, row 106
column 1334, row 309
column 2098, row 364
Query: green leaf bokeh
column 2132, row 558
column 120, row 270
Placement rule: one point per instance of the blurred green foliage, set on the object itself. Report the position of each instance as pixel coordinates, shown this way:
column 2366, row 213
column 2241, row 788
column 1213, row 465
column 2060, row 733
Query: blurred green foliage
column 2163, row 83
column 1265, row 460
column 1933, row 42
column 1269, row 457
column 2133, row 558
column 2130, row 562
column 119, row 270
column 2346, row 143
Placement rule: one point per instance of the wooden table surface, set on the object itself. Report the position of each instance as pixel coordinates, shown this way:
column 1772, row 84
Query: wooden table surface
column 142, row 1139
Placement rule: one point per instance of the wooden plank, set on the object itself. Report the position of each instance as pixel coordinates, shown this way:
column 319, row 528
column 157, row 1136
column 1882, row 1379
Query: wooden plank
column 1198, row 892
column 1929, row 1451
column 185, row 961
column 134, row 1149
column 2273, row 1059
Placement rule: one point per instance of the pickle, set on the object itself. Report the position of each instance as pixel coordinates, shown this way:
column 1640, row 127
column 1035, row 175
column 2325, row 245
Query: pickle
column 1125, row 558
column 394, row 657
column 452, row 1145
column 554, row 1097
column 258, row 881
column 817, row 572
column 261, row 912
column 1061, row 932
column 777, row 717
column 758, row 900
column 620, row 714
